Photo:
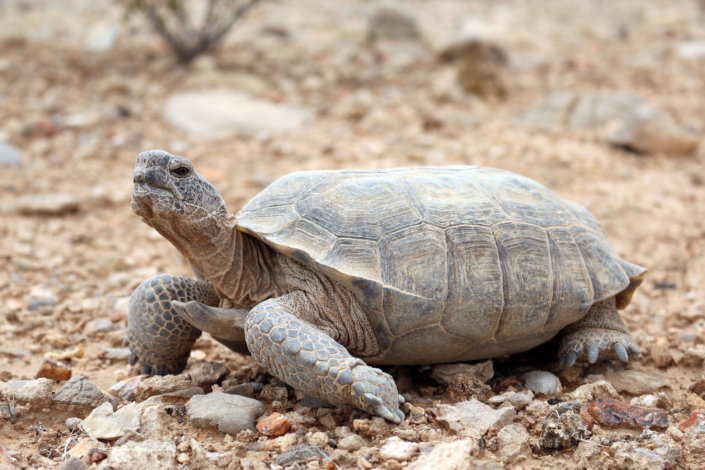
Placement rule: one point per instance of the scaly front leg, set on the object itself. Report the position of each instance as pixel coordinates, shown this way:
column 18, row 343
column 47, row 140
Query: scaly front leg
column 312, row 362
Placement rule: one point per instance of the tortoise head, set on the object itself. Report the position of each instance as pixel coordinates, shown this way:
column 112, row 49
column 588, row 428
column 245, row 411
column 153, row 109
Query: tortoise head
column 168, row 192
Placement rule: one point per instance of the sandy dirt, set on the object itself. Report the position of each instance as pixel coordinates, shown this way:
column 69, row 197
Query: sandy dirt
column 79, row 119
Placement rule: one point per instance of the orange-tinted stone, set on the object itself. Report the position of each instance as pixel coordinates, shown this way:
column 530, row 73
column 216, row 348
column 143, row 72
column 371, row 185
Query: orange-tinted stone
column 54, row 370
column 614, row 413
column 690, row 421
column 274, row 425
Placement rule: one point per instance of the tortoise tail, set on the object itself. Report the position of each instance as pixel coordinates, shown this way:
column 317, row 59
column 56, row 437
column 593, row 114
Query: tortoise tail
column 636, row 277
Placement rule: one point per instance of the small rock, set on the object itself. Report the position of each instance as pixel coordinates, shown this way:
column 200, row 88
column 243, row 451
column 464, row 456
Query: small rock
column 310, row 402
column 398, row 450
column 74, row 424
column 99, row 325
column 207, row 410
column 328, row 421
column 101, row 37
column 102, row 423
column 513, row 442
column 54, row 370
column 691, row 420
column 693, row 357
column 149, row 454
column 319, row 439
column 125, row 389
column 159, row 385
column 73, row 463
column 219, row 113
column 614, row 413
column 637, row 382
column 301, row 454
column 691, row 50
column 205, row 373
column 569, row 406
column 352, row 443
column 520, row 400
column 392, row 24
column 274, row 425
column 186, row 393
column 244, row 390
column 80, row 393
column 83, row 448
column 15, row 353
column 375, row 427
column 475, row 416
column 551, row 113
column 117, row 354
column 458, row 455
column 445, row 373
column 587, row 393
column 47, row 204
column 43, row 306
column 9, row 156
column 647, row 130
column 562, row 431
column 220, row 459
column 541, row 382
column 34, row 392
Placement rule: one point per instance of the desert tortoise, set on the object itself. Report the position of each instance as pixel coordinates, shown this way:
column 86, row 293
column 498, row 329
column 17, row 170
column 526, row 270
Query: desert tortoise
column 399, row 266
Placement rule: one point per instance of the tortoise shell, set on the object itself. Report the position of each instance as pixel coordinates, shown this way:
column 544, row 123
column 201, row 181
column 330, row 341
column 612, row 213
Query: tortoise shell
column 452, row 264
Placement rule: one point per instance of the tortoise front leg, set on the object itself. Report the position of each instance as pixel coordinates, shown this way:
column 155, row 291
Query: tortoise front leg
column 159, row 339
column 312, row 362
column 600, row 331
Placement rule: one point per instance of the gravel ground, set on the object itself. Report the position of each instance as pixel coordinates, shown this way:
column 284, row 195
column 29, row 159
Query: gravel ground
column 72, row 251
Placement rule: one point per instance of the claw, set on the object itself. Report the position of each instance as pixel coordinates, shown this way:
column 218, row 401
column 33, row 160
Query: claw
column 401, row 400
column 132, row 360
column 572, row 357
column 621, row 352
column 384, row 412
column 561, row 360
column 635, row 349
column 401, row 416
column 125, row 341
column 146, row 370
column 593, row 352
column 371, row 399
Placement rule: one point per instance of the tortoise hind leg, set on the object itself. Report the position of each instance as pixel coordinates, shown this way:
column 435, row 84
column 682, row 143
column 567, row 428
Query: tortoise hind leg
column 599, row 333
column 159, row 339
column 227, row 326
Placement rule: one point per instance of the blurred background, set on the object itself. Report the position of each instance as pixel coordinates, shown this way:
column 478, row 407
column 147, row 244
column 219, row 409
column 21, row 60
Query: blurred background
column 601, row 101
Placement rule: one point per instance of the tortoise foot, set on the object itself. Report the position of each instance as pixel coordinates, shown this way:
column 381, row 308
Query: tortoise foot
column 312, row 362
column 595, row 343
column 159, row 340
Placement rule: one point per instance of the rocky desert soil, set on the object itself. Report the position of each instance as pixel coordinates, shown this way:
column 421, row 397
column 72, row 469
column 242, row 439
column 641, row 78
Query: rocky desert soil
column 602, row 102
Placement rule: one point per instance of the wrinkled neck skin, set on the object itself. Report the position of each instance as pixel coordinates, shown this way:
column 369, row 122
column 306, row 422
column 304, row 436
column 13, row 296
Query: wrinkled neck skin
column 242, row 269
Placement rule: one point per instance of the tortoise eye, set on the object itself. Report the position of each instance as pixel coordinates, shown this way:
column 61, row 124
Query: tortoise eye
column 181, row 171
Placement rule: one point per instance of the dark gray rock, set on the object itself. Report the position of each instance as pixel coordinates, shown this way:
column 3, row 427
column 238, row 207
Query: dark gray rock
column 80, row 393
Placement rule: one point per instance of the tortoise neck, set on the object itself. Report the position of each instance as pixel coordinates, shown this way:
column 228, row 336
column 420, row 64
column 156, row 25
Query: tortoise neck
column 241, row 268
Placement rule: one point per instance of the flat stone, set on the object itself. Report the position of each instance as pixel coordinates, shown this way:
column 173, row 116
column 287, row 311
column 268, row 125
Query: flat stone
column 550, row 113
column 388, row 23
column 54, row 370
column 691, row 50
column 397, row 449
column 588, row 392
column 541, row 382
column 73, row 463
column 229, row 413
column 14, row 353
column 445, row 373
column 81, row 394
column 149, row 454
column 101, row 37
column 513, row 442
column 244, row 390
column 83, row 447
column 9, row 156
column 125, row 389
column 105, row 424
column 637, row 382
column 352, row 443
column 458, row 455
column 159, row 385
column 219, row 113
column 186, row 393
column 474, row 416
column 47, row 204
column 205, row 373
column 35, row 392
column 99, row 325
column 117, row 354
column 300, row 454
